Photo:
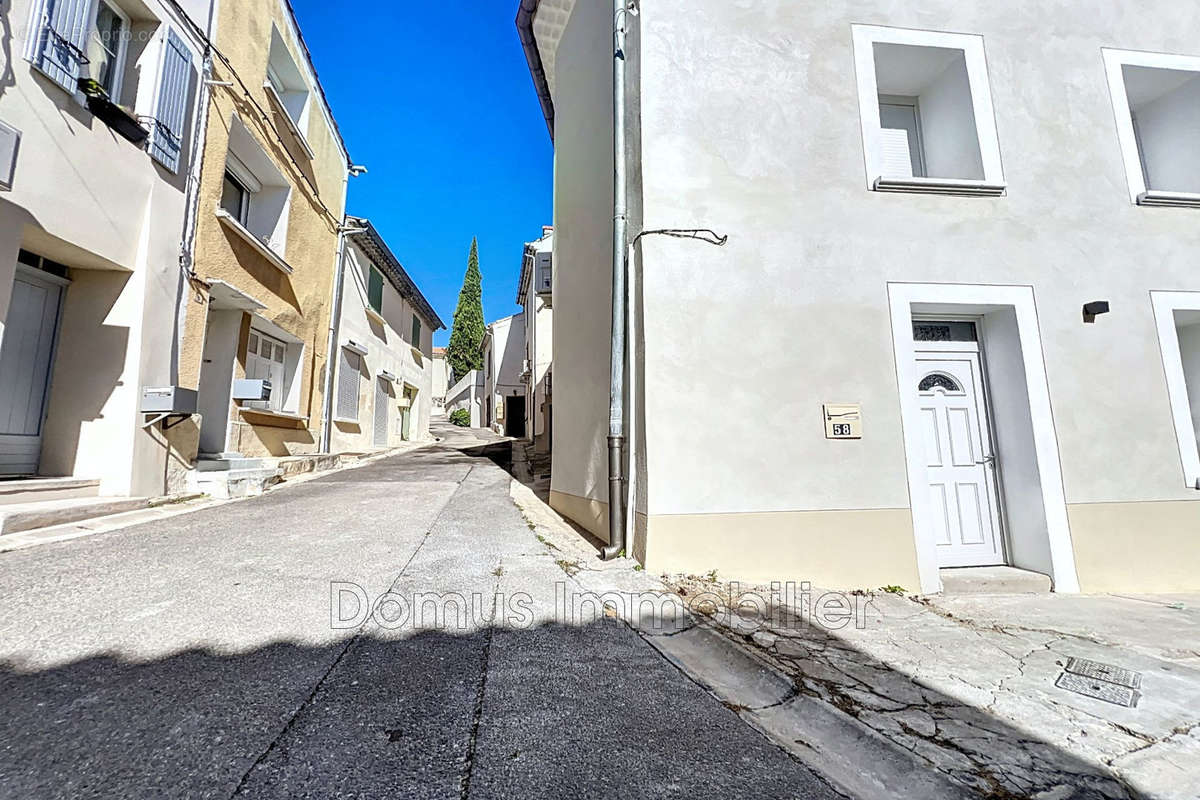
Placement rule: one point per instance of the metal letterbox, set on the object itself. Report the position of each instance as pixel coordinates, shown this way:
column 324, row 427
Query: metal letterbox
column 168, row 400
column 252, row 389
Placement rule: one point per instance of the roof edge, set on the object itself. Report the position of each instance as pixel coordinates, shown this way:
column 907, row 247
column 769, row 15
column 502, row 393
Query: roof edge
column 371, row 236
column 525, row 15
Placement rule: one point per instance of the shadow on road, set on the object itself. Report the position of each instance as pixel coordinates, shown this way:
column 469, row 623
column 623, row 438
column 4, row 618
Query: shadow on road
column 551, row 712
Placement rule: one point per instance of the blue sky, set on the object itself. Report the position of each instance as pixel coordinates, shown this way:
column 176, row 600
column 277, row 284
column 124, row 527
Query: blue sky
column 436, row 101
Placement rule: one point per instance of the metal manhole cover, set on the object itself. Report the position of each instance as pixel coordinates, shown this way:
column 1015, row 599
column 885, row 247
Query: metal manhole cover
column 1105, row 672
column 1099, row 690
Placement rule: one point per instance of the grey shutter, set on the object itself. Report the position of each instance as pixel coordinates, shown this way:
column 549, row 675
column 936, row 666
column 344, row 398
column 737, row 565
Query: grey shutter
column 347, row 390
column 61, row 36
column 170, row 114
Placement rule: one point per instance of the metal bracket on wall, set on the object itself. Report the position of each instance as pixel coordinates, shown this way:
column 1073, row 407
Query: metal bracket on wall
column 165, row 420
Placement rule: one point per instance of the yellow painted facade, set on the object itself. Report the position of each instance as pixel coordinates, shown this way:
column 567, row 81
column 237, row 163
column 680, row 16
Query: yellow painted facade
column 298, row 303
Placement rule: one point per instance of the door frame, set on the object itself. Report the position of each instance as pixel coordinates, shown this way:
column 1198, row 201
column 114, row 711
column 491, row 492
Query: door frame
column 63, row 284
column 1011, row 320
column 983, row 408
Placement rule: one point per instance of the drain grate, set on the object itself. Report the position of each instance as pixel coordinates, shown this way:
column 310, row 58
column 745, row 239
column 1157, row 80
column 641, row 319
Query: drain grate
column 1099, row 681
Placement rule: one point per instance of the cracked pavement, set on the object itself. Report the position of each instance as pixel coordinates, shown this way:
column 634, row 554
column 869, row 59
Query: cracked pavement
column 966, row 685
column 195, row 657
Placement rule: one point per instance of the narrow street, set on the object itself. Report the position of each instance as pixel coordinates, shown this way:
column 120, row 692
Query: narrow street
column 196, row 656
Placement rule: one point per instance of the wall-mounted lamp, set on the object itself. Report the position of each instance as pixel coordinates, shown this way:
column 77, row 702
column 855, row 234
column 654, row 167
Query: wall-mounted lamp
column 1093, row 310
column 357, row 169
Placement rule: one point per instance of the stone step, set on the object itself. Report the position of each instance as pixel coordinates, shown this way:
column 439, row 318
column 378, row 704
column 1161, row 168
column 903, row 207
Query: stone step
column 230, row 464
column 33, row 490
column 993, row 580
column 17, row 517
column 232, row 484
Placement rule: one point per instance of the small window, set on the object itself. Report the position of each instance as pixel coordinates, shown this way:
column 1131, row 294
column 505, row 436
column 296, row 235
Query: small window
column 254, row 192
column 375, row 290
column 287, row 89
column 926, row 112
column 106, row 48
column 1157, row 98
column 545, row 274
column 938, row 331
column 235, row 198
column 939, row 380
column 349, row 380
column 416, row 332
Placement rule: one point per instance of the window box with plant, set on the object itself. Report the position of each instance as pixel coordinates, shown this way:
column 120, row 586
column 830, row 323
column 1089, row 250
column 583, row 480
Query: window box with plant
column 120, row 120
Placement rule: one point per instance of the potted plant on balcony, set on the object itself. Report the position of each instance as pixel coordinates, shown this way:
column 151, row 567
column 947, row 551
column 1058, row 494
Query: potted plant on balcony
column 121, row 120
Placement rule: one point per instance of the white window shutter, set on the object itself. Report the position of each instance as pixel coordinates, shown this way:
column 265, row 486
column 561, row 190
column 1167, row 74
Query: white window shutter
column 895, row 159
column 348, row 383
column 170, row 114
column 59, row 40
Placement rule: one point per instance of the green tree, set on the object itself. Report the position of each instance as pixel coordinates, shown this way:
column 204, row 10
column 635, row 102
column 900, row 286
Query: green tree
column 466, row 333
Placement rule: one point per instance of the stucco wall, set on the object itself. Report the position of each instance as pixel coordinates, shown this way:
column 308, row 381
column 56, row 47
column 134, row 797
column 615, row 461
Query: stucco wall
column 769, row 152
column 388, row 348
column 583, row 211
column 99, row 204
column 750, row 126
column 299, row 303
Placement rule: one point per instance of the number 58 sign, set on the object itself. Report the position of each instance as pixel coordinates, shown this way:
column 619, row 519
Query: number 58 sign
column 843, row 421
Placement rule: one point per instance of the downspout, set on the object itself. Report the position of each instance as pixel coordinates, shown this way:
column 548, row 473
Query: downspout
column 335, row 321
column 616, row 394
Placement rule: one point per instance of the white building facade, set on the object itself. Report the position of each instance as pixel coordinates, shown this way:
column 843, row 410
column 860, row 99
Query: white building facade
column 535, row 295
column 98, row 120
column 383, row 377
column 930, row 209
column 504, row 398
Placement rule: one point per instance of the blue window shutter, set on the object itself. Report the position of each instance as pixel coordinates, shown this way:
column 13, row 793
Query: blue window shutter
column 166, row 142
column 61, row 36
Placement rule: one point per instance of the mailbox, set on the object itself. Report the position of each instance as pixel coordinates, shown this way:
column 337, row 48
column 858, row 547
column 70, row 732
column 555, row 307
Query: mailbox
column 171, row 400
column 255, row 390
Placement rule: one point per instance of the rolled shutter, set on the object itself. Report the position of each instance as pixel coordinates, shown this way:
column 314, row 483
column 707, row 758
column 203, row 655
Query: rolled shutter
column 61, row 37
column 348, row 381
column 170, row 115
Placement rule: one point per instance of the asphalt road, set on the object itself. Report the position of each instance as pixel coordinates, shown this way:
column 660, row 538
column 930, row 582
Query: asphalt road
column 196, row 657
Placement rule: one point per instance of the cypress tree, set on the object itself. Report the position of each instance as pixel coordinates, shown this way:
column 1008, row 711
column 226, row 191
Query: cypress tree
column 466, row 334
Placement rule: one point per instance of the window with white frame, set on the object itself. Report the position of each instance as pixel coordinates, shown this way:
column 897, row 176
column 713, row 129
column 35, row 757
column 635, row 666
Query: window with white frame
column 287, row 89
column 255, row 196
column 1177, row 315
column 1156, row 98
column 545, row 273
column 927, row 118
column 107, row 48
column 74, row 41
column 349, row 381
column 266, row 359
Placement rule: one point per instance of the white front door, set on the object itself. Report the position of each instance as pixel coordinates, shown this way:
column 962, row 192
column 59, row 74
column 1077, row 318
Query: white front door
column 960, row 459
column 25, row 358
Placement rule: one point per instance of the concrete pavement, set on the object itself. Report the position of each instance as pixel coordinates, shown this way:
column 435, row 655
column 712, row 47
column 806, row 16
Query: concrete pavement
column 196, row 657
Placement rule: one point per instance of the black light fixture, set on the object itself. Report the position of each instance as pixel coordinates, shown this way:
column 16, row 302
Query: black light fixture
column 1093, row 310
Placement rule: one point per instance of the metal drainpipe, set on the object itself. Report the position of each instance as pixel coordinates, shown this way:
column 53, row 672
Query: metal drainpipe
column 616, row 394
column 335, row 321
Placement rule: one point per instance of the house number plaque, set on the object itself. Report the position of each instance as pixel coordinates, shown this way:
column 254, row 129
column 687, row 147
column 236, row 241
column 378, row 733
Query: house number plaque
column 843, row 421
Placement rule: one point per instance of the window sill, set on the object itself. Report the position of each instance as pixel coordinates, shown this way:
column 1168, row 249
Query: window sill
column 1156, row 199
column 345, row 421
column 375, row 315
column 277, row 101
column 945, row 186
column 275, row 419
column 229, row 221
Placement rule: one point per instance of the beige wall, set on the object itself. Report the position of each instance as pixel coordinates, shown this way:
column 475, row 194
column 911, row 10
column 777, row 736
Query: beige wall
column 298, row 303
